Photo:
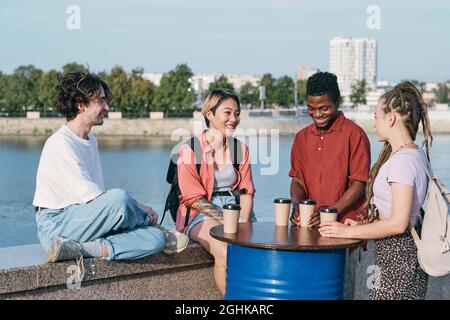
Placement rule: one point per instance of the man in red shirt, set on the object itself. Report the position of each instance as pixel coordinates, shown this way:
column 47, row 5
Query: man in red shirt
column 330, row 159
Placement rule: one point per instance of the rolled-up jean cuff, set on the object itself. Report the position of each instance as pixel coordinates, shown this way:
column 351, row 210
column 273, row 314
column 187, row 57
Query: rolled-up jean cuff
column 107, row 243
column 197, row 219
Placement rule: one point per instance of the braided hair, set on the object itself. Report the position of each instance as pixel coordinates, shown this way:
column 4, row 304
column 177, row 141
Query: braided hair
column 406, row 100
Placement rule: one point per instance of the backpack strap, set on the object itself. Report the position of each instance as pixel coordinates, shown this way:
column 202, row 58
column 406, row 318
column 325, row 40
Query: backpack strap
column 196, row 147
column 235, row 152
column 236, row 157
column 414, row 233
column 431, row 176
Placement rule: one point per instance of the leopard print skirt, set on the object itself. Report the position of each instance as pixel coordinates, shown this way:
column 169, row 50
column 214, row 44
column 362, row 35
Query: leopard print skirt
column 400, row 275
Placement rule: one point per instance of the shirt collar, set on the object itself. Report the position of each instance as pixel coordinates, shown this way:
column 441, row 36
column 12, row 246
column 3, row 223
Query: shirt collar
column 336, row 126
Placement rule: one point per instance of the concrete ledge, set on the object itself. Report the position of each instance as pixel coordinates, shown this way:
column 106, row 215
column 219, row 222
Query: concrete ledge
column 442, row 107
column 187, row 275
column 287, row 113
column 167, row 127
column 156, row 115
column 33, row 114
column 244, row 114
column 184, row 284
column 197, row 115
column 260, row 113
column 115, row 115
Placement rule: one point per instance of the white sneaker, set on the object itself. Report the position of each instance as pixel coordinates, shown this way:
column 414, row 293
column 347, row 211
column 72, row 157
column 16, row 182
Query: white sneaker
column 176, row 241
column 63, row 249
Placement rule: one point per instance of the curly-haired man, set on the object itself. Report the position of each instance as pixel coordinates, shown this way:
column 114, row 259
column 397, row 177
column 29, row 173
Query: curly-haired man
column 330, row 158
column 75, row 215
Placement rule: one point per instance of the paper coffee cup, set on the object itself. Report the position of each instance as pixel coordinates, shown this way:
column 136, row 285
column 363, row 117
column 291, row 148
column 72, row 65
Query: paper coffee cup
column 328, row 214
column 306, row 208
column 230, row 218
column 282, row 210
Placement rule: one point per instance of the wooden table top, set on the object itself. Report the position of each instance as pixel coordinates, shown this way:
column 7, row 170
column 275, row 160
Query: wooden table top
column 266, row 235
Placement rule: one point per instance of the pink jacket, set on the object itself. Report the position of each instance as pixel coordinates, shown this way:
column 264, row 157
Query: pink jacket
column 193, row 186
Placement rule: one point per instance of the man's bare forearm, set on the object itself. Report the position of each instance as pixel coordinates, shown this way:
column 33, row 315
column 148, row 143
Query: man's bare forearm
column 351, row 196
column 297, row 191
column 207, row 208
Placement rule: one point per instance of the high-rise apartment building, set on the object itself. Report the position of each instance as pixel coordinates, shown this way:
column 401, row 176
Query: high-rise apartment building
column 353, row 59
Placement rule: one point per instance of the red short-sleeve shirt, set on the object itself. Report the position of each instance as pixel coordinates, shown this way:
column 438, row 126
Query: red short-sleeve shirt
column 327, row 162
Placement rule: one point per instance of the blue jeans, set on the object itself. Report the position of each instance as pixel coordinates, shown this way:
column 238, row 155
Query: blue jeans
column 218, row 202
column 113, row 219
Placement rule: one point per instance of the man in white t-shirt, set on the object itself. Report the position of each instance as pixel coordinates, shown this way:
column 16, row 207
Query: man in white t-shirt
column 75, row 215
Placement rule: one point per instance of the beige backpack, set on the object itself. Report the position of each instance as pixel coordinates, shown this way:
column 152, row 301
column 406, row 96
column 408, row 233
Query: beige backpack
column 433, row 245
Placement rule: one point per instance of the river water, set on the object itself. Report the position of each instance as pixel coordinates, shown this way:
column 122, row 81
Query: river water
column 139, row 166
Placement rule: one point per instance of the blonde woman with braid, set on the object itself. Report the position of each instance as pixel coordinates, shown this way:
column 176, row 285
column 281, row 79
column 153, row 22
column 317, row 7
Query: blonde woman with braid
column 396, row 191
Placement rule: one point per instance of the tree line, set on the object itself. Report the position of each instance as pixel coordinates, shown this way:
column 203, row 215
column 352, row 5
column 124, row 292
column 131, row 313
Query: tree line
column 360, row 90
column 31, row 89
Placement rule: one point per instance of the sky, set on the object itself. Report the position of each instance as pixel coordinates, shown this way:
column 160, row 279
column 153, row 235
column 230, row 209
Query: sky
column 232, row 36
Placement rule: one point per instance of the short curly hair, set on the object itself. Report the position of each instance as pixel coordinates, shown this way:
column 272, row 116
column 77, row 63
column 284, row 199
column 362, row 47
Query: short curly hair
column 78, row 87
column 323, row 83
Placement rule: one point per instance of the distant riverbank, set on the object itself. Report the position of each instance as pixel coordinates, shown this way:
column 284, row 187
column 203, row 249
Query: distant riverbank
column 440, row 123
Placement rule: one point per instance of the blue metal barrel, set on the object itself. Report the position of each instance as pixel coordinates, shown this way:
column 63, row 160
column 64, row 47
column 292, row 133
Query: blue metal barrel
column 261, row 274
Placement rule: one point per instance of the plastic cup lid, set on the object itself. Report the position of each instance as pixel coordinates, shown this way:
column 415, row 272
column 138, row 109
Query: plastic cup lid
column 307, row 201
column 328, row 210
column 282, row 200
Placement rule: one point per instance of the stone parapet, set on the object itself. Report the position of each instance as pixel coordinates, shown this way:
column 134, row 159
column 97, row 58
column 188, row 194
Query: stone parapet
column 166, row 127
column 187, row 275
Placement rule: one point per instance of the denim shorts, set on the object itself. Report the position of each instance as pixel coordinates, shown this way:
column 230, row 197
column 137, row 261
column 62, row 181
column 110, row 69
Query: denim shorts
column 218, row 202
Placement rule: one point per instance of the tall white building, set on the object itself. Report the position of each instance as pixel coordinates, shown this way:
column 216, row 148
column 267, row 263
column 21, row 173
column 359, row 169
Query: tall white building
column 353, row 59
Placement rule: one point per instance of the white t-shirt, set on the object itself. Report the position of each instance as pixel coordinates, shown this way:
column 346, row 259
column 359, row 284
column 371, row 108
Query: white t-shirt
column 69, row 171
